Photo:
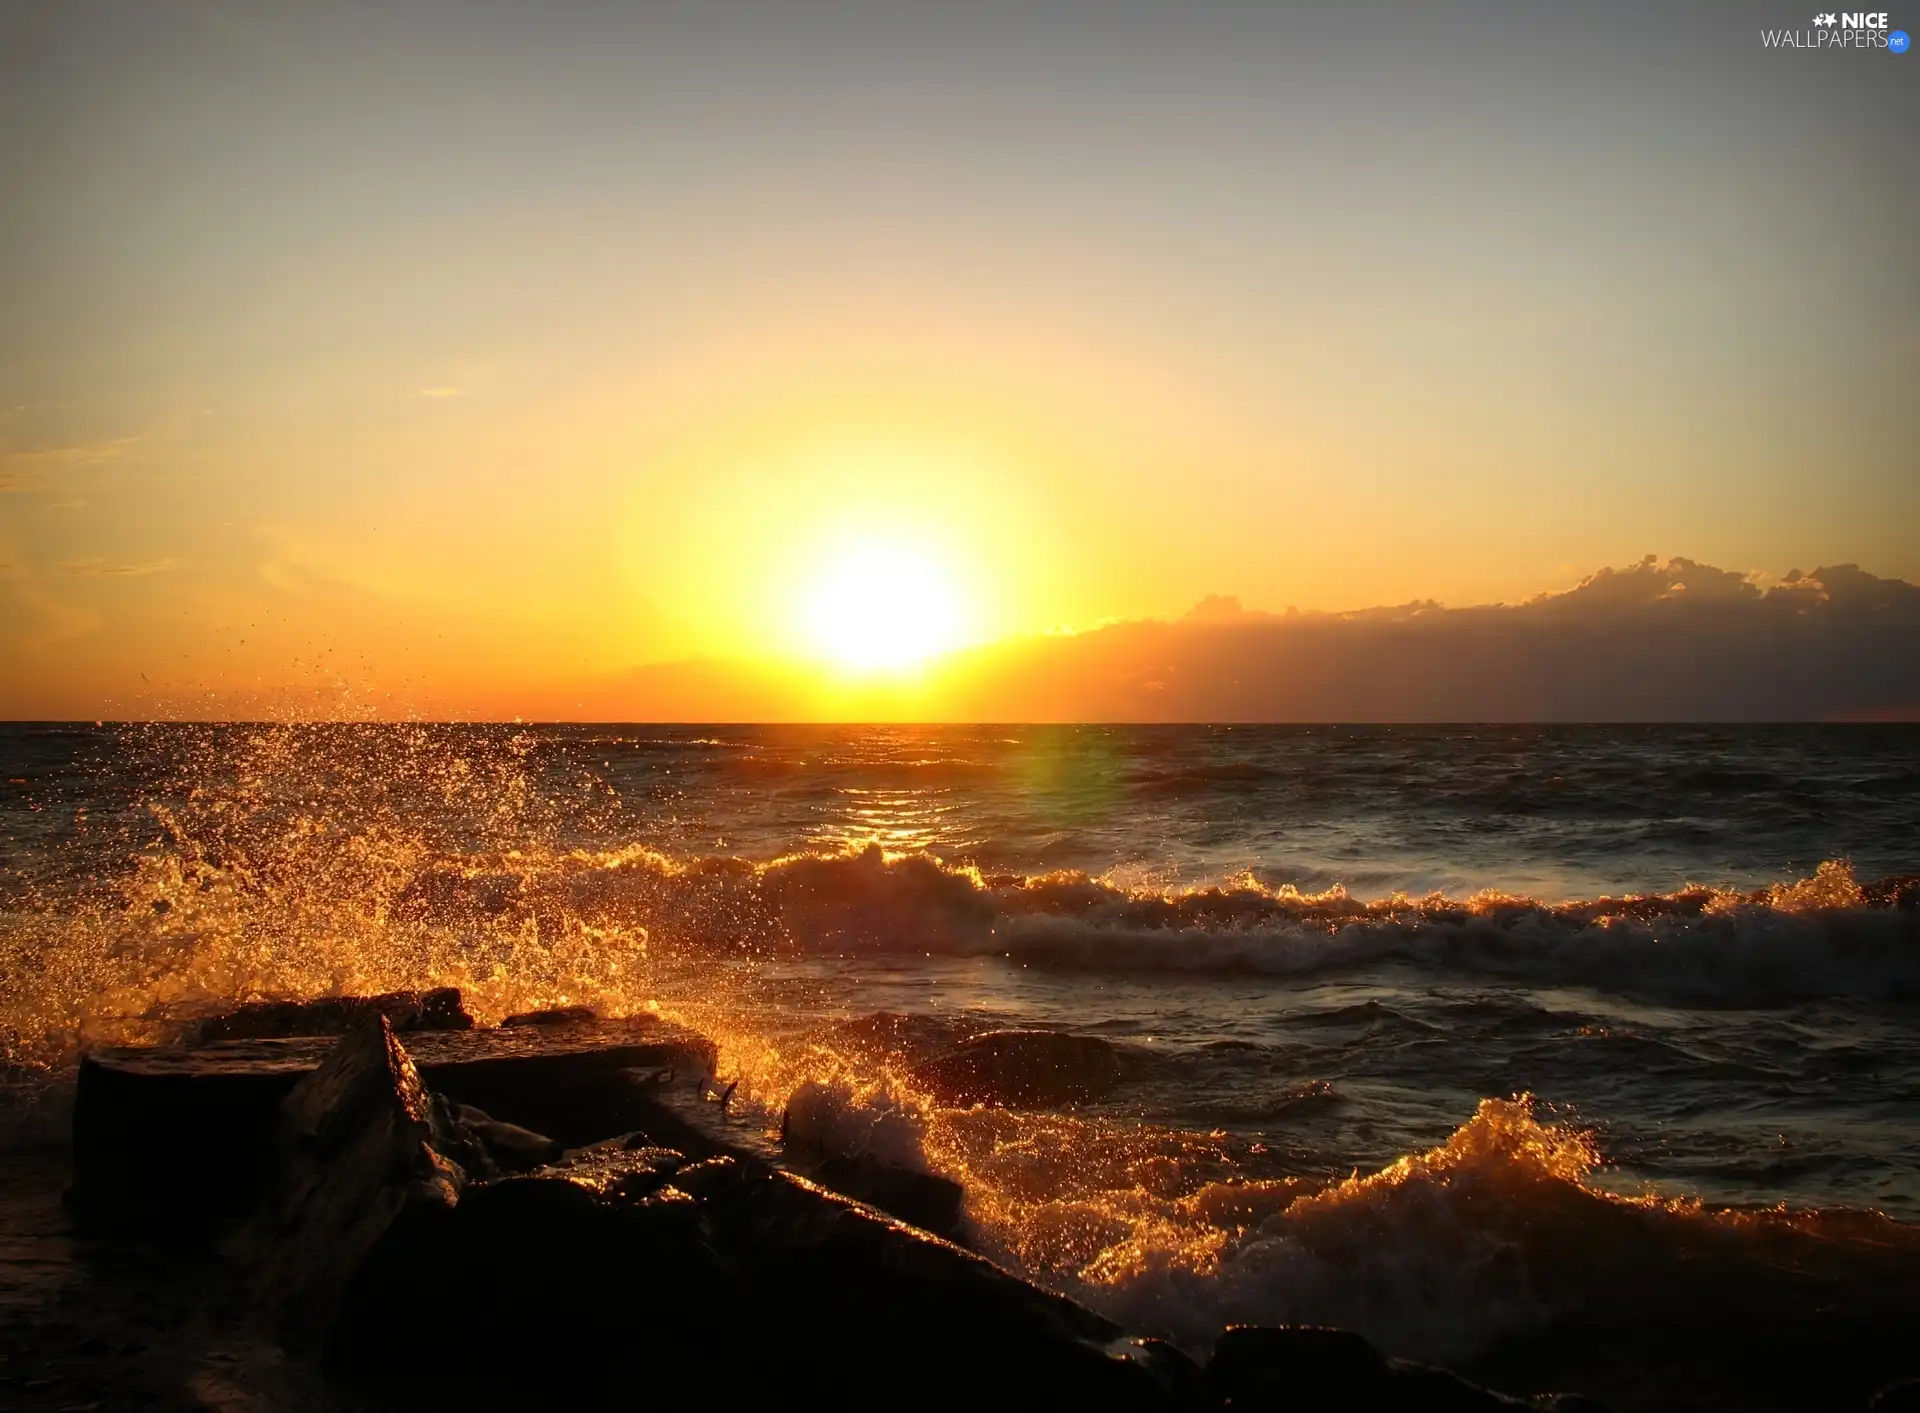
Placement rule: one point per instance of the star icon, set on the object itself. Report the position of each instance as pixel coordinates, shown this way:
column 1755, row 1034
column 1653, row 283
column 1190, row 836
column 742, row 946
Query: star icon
column 1826, row 19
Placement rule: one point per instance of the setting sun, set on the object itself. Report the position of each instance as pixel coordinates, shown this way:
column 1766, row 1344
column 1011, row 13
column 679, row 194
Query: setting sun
column 881, row 608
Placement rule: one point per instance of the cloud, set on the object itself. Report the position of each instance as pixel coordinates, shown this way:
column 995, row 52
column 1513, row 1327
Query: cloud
column 1222, row 608
column 439, row 392
column 1653, row 641
column 97, row 567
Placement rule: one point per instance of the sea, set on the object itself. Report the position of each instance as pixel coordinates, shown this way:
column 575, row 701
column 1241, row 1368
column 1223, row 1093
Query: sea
column 1440, row 1033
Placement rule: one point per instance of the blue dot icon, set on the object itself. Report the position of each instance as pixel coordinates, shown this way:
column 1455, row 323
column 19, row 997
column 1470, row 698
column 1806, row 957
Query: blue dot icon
column 1898, row 41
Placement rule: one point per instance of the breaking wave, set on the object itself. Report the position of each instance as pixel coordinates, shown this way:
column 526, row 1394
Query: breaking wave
column 235, row 899
column 1446, row 1255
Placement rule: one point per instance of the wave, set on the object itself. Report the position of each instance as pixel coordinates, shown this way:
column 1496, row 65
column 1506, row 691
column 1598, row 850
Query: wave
column 1452, row 1254
column 1823, row 936
column 210, row 918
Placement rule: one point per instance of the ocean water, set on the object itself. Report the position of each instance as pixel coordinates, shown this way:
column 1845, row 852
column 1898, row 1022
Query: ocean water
column 1439, row 1033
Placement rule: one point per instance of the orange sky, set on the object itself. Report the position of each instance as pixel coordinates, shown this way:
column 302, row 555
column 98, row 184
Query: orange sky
column 467, row 367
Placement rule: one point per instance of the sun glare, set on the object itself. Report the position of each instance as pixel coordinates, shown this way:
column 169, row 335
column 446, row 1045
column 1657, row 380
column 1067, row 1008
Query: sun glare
column 882, row 608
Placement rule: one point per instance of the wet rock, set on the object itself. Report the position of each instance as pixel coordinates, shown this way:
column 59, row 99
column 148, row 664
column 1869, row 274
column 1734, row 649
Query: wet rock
column 355, row 1151
column 165, row 1146
column 440, row 1009
column 850, row 1289
column 510, row 1148
column 562, row 1287
column 180, row 1139
column 576, row 1083
column 1180, row 1381
column 554, row 1015
column 1025, row 1069
column 1312, row 1369
column 1256, row 1366
column 926, row 1200
column 622, row 1271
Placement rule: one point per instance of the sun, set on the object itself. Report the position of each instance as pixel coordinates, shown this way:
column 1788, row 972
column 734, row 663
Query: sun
column 880, row 608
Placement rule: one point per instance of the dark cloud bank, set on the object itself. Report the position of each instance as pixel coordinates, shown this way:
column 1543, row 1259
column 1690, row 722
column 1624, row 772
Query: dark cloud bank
column 1654, row 642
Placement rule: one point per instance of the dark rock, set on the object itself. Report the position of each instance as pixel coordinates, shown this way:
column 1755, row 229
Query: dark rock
column 1182, row 1382
column 1902, row 1397
column 1420, row 1389
column 177, row 1139
column 1027, row 1069
column 1312, row 1369
column 620, row 1272
column 926, row 1200
column 355, row 1151
column 162, row 1145
column 455, row 1140
column 409, row 1011
column 511, row 1148
column 554, row 1015
column 1288, row 1366
column 562, row 1287
column 577, row 1083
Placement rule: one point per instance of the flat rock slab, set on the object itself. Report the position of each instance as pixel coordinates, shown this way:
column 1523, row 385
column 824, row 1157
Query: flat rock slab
column 176, row 1138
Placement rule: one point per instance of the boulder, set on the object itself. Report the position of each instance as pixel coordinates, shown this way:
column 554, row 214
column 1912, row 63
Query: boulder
column 508, row 1147
column 1022, row 1069
column 182, row 1138
column 355, row 1149
column 1312, row 1369
column 440, row 1009
column 680, row 1115
column 568, row 1285
column 925, row 1200
column 626, row 1269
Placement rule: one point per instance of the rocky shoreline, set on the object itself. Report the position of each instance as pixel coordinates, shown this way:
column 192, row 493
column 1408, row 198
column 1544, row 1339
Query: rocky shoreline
column 370, row 1203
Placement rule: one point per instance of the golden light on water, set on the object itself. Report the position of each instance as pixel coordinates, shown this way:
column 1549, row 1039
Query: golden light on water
column 883, row 608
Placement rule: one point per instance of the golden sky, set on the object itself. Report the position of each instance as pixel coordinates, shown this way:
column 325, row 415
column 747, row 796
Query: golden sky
column 464, row 359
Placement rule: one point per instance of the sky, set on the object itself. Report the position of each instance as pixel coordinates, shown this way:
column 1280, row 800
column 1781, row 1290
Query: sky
column 468, row 358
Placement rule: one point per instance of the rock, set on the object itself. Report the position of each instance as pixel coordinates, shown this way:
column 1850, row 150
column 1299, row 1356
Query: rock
column 554, row 1015
column 440, row 1009
column 925, row 1200
column 1180, row 1381
column 559, row 1288
column 1028, row 1069
column 1292, row 1366
column 511, row 1148
column 620, row 1272
column 1312, row 1369
column 356, row 1150
column 178, row 1139
column 578, row 1082
column 165, row 1144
